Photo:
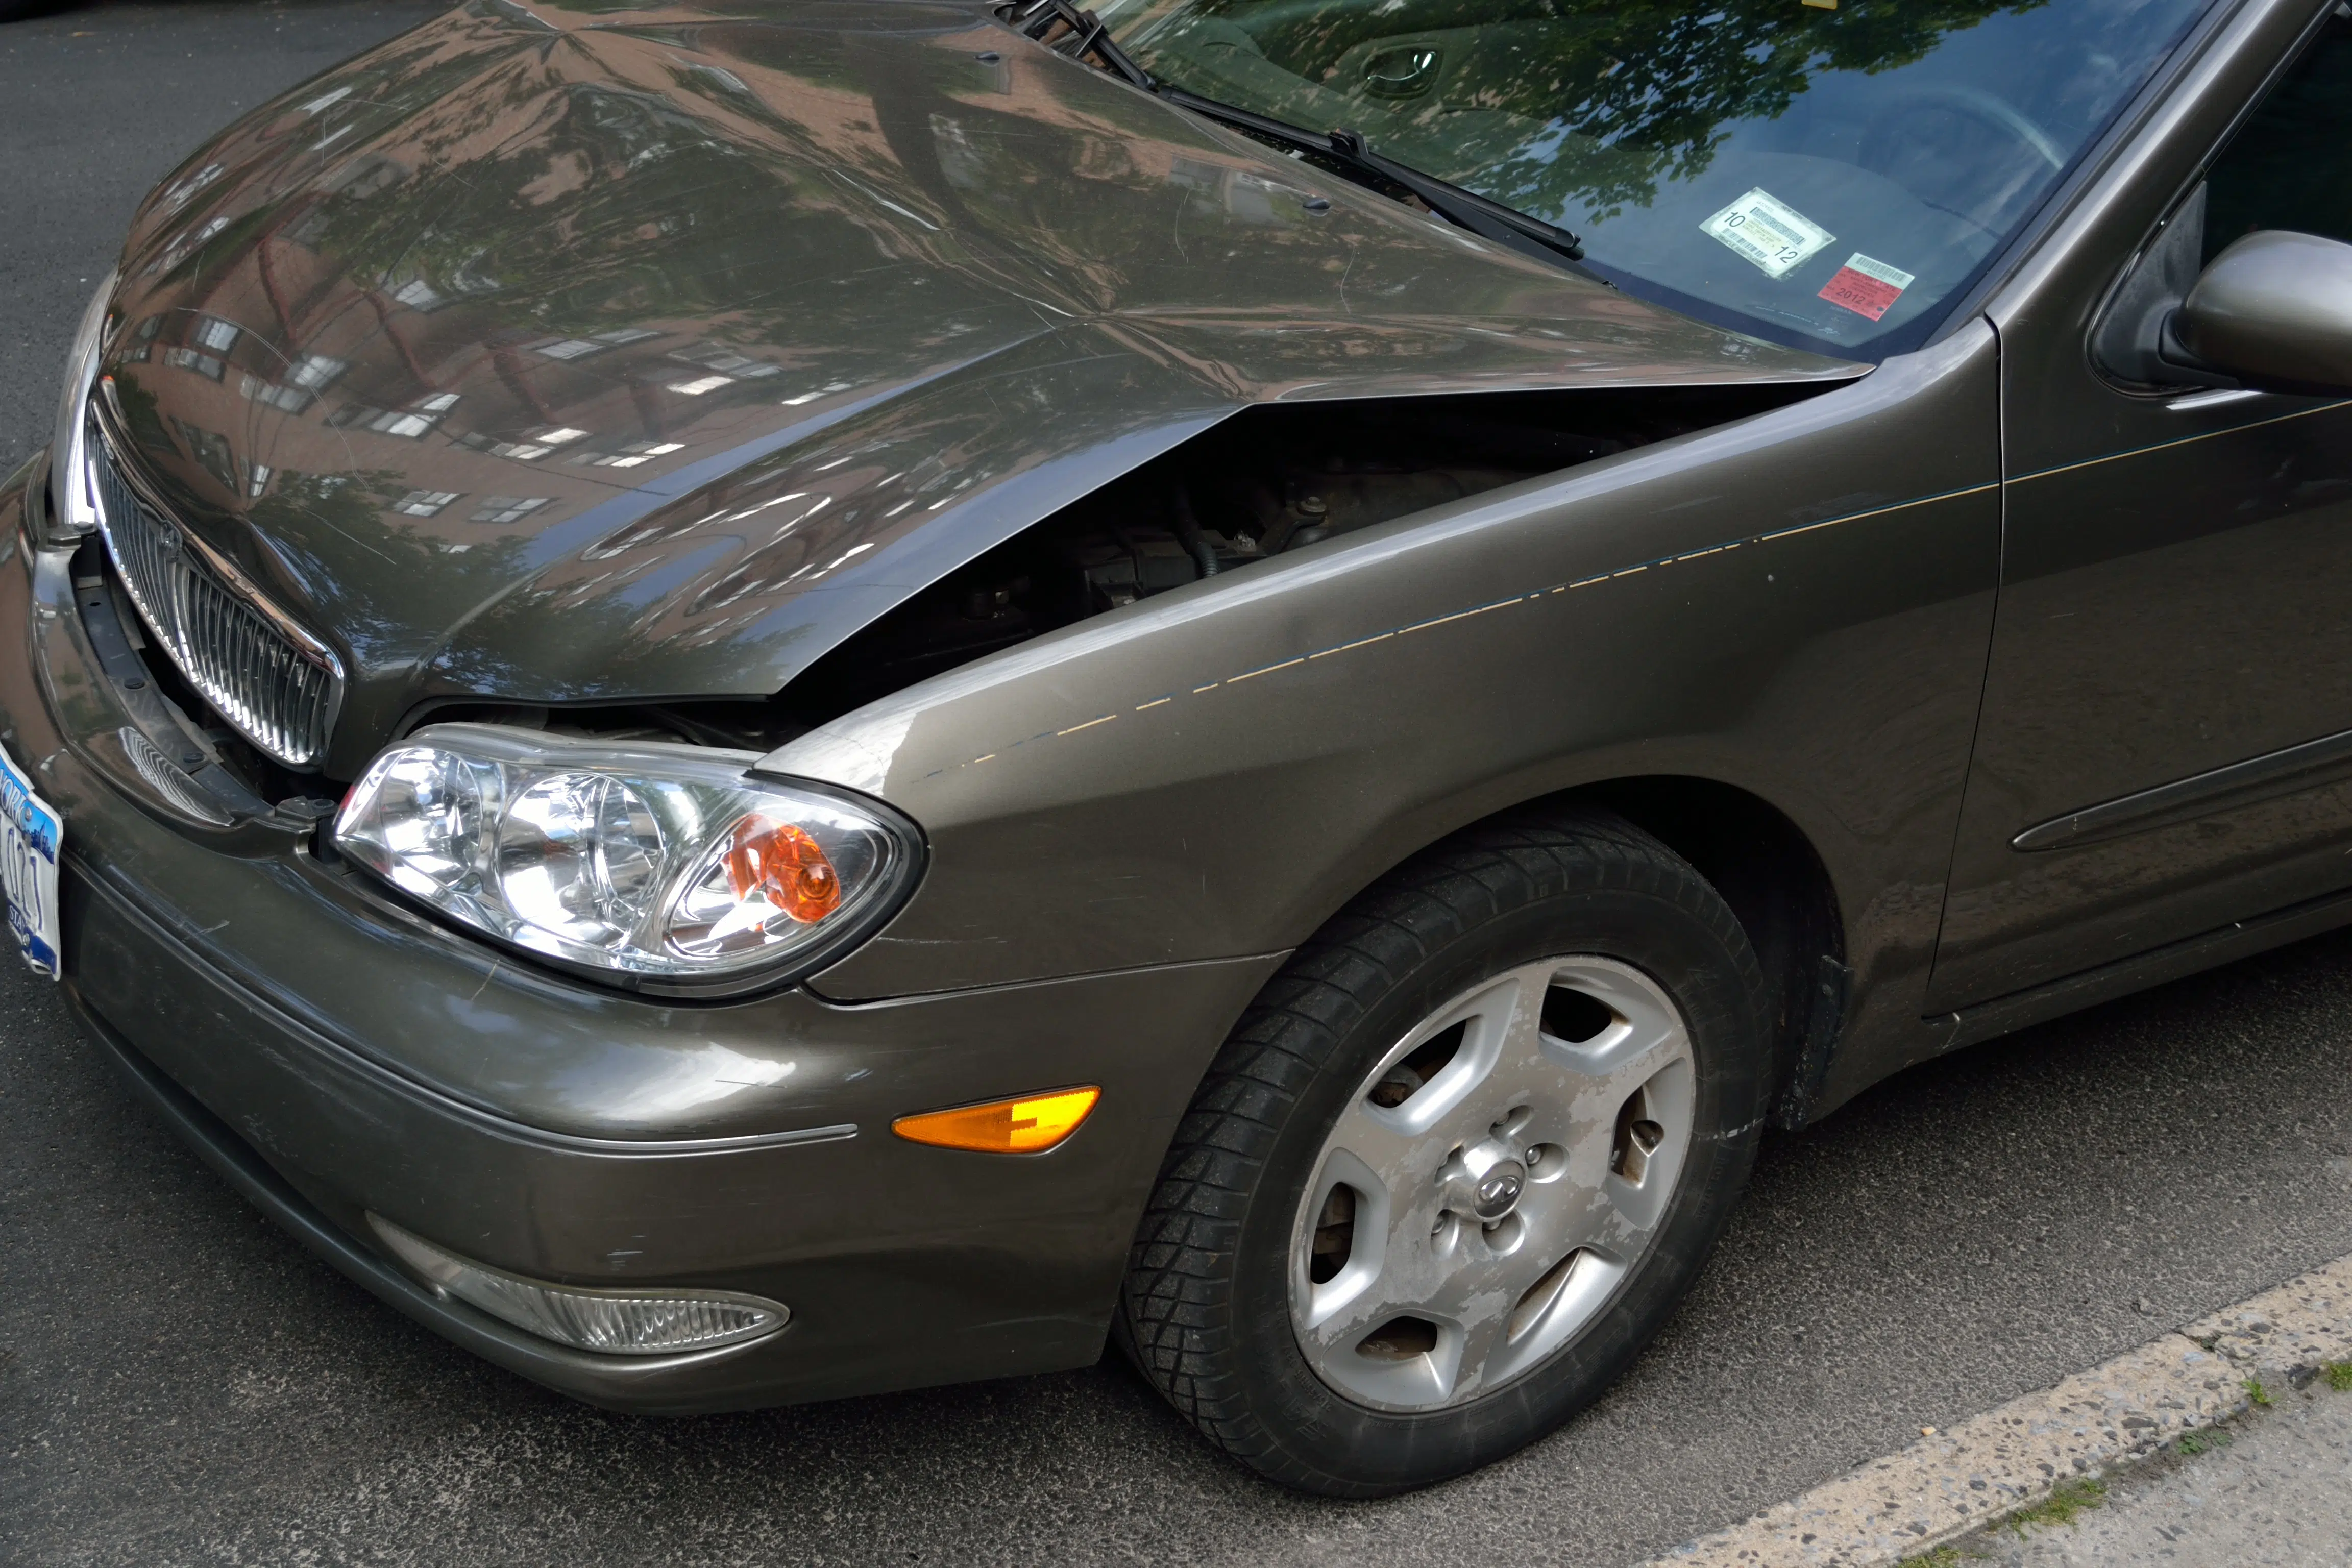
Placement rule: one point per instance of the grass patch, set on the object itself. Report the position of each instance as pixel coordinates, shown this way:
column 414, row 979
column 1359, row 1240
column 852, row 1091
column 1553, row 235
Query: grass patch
column 2339, row 1375
column 1941, row 1557
column 2257, row 1393
column 2203, row 1442
column 2065, row 1504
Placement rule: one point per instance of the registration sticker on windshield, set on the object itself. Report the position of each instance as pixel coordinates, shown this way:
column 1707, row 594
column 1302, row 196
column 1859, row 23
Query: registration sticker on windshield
column 1769, row 232
column 1868, row 287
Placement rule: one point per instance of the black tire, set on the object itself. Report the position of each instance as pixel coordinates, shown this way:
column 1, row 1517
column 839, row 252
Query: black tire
column 1205, row 1308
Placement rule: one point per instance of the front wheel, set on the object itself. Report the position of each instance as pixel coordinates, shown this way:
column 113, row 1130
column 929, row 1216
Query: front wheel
column 1459, row 1161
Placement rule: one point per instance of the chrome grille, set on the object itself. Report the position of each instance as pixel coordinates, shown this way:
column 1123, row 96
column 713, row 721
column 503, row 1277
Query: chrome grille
column 277, row 684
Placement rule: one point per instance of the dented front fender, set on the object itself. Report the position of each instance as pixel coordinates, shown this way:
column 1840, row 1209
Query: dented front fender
column 1797, row 603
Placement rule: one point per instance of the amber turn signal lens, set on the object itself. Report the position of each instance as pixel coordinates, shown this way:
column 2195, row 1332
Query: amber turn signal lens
column 1029, row 1126
column 782, row 863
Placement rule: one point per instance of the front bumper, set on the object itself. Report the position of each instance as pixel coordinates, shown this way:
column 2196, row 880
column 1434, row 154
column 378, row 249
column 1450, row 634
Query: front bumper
column 332, row 1054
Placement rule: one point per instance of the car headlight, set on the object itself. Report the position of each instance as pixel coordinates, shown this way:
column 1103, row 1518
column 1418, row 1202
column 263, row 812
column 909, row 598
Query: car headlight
column 663, row 866
column 72, row 513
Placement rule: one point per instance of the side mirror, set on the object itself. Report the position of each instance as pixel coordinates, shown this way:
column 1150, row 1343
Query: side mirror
column 2274, row 312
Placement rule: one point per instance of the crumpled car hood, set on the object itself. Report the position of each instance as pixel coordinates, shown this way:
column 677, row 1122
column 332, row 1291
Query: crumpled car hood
column 554, row 355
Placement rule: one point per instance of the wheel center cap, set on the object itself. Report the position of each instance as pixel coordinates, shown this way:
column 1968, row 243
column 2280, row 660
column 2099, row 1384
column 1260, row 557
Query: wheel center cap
column 1499, row 1189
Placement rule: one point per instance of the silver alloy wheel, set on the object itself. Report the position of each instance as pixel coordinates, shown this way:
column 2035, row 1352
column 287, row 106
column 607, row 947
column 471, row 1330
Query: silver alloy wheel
column 1492, row 1181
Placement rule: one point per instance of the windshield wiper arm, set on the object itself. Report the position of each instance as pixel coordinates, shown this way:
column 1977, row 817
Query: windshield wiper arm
column 1481, row 215
column 1086, row 34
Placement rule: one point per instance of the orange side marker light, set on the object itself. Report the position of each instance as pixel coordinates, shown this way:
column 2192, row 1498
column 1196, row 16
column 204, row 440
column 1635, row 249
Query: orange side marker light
column 1030, row 1125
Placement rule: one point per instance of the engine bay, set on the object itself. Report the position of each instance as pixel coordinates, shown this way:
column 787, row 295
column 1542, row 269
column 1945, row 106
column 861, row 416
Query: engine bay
column 1273, row 479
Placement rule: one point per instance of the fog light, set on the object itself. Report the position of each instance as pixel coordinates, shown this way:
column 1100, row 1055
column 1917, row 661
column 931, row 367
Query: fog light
column 613, row 1323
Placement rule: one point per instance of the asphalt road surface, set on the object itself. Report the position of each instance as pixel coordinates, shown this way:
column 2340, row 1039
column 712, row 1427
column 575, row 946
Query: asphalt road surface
column 179, row 1382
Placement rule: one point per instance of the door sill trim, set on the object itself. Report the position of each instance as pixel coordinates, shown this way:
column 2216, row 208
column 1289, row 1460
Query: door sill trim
column 2307, row 766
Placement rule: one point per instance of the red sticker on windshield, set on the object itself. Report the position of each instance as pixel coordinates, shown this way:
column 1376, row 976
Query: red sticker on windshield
column 1867, row 287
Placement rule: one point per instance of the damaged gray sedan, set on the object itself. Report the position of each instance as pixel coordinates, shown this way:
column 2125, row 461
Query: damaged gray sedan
column 758, row 703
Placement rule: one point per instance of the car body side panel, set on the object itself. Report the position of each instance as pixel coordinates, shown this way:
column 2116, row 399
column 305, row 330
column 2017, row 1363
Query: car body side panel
column 1796, row 603
column 2173, row 602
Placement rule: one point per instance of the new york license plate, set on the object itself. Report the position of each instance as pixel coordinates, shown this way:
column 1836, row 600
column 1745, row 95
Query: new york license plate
column 30, row 834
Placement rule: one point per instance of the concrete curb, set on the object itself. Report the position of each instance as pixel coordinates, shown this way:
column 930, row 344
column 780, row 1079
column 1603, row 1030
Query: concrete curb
column 1946, row 1484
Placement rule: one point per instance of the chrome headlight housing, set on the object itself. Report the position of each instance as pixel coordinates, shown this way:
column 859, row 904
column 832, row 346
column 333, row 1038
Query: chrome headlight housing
column 657, row 867
column 73, row 511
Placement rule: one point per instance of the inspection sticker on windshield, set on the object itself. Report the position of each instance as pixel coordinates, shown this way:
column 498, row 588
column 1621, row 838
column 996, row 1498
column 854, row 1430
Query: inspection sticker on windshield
column 30, row 832
column 1768, row 231
column 1868, row 287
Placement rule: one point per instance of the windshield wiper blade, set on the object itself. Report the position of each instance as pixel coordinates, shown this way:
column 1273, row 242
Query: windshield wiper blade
column 1083, row 34
column 1479, row 214
column 1482, row 215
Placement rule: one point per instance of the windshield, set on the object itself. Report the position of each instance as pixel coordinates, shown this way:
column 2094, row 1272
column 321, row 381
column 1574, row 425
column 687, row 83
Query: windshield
column 1823, row 173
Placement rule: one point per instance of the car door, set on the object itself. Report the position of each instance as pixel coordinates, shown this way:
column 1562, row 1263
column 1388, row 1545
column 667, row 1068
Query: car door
column 2174, row 631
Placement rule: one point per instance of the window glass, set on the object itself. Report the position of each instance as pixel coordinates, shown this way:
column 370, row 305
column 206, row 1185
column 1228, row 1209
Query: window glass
column 2290, row 165
column 1825, row 173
